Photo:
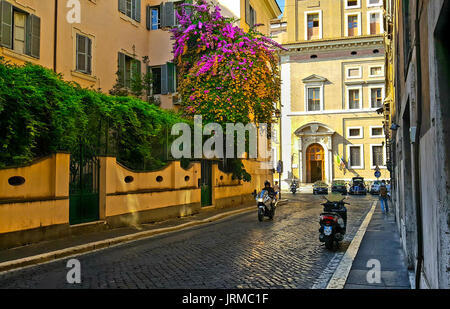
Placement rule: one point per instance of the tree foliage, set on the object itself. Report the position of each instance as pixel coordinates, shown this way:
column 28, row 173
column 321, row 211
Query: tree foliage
column 225, row 73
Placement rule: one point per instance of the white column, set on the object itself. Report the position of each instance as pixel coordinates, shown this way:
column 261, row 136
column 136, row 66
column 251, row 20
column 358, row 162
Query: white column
column 286, row 121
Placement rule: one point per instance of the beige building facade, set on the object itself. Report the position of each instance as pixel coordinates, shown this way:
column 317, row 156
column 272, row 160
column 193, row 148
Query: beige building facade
column 333, row 86
column 99, row 42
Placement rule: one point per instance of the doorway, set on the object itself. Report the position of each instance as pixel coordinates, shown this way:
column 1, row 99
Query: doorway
column 315, row 163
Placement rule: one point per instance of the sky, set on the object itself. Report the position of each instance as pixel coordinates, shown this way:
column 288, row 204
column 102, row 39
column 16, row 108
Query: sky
column 281, row 4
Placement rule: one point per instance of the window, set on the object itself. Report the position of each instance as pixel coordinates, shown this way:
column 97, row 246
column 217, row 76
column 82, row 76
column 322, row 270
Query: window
column 19, row 30
column 154, row 18
column 250, row 14
column 131, row 8
column 374, row 26
column 377, row 157
column 129, row 68
column 376, row 97
column 314, row 99
column 164, row 79
column 354, row 98
column 313, row 27
column 354, row 132
column 371, row 3
column 353, row 28
column 354, row 72
column 84, row 54
column 376, row 132
column 352, row 4
column 253, row 20
column 356, row 156
column 376, row 71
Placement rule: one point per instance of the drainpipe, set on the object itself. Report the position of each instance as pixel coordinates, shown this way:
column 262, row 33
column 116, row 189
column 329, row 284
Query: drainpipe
column 55, row 36
column 419, row 224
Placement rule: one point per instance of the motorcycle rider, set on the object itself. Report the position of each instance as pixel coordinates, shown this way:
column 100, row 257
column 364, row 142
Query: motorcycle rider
column 269, row 189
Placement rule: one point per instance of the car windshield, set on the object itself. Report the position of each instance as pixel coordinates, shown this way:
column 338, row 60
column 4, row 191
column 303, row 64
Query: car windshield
column 320, row 184
column 339, row 183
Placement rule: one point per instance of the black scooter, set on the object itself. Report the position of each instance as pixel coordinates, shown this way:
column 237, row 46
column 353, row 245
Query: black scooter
column 333, row 222
column 294, row 187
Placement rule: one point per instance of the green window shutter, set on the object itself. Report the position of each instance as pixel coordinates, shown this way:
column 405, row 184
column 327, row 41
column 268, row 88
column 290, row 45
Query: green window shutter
column 35, row 36
column 89, row 55
column 123, row 6
column 164, row 79
column 6, row 24
column 137, row 10
column 171, row 77
column 148, row 16
column 121, row 69
column 137, row 70
column 162, row 12
column 170, row 14
column 247, row 11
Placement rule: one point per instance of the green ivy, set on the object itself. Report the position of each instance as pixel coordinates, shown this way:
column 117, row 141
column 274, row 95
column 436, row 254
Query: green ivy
column 40, row 114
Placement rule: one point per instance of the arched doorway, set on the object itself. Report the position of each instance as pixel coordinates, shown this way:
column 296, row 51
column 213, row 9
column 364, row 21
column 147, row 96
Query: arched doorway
column 315, row 163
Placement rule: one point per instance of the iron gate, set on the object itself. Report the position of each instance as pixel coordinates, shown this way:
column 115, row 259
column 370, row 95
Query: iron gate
column 84, row 186
column 206, row 183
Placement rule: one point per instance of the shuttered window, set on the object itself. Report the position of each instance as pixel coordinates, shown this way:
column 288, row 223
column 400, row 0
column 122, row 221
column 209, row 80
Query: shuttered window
column 131, row 8
column 84, row 54
column 128, row 69
column 153, row 17
column 19, row 30
column 164, row 79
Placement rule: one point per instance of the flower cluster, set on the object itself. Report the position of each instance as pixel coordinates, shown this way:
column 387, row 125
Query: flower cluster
column 225, row 73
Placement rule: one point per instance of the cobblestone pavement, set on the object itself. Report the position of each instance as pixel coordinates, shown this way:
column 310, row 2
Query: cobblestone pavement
column 238, row 252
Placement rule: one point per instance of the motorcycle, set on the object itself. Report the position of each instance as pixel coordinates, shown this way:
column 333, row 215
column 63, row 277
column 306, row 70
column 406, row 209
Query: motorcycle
column 266, row 205
column 294, row 187
column 333, row 222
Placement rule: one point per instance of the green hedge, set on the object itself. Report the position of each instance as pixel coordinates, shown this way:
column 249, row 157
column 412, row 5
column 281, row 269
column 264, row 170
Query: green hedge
column 40, row 114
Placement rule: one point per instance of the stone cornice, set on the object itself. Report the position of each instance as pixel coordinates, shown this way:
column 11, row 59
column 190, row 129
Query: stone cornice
column 360, row 42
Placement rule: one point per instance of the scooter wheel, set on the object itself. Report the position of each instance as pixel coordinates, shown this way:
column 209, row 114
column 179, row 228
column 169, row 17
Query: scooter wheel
column 329, row 244
column 260, row 215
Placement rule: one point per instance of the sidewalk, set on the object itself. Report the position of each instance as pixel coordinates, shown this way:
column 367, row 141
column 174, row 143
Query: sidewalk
column 381, row 242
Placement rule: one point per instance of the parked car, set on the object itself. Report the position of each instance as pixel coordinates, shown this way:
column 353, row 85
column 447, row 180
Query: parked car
column 320, row 187
column 339, row 186
column 358, row 186
column 375, row 188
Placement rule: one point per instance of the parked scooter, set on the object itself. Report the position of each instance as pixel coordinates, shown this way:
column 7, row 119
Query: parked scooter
column 266, row 204
column 333, row 221
column 294, row 187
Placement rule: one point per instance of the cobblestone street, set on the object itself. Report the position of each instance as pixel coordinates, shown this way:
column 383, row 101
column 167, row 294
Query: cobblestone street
column 238, row 252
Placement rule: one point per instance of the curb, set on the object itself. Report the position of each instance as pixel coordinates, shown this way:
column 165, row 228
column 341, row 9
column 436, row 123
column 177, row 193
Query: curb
column 340, row 276
column 107, row 243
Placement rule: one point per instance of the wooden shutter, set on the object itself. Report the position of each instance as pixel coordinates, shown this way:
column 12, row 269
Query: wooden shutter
column 171, row 77
column 136, row 10
column 121, row 69
column 148, row 16
column 33, row 36
column 247, row 12
column 162, row 13
column 123, row 6
column 88, row 55
column 170, row 14
column 164, row 79
column 6, row 21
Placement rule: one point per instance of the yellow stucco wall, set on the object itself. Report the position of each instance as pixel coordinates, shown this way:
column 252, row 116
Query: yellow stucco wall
column 43, row 199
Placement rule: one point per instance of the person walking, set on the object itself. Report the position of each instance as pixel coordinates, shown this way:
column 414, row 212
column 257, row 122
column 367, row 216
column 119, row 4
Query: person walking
column 383, row 197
